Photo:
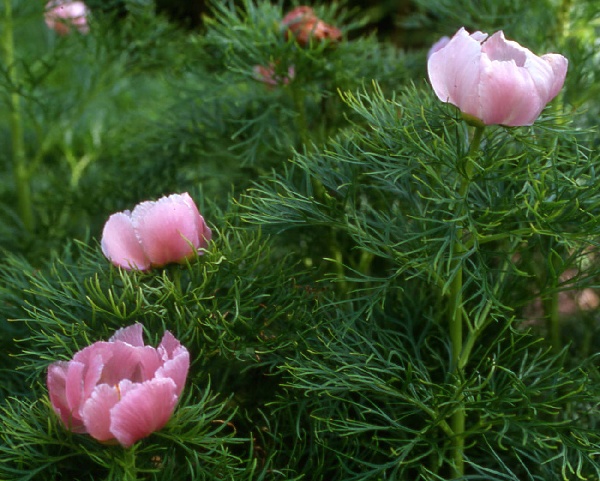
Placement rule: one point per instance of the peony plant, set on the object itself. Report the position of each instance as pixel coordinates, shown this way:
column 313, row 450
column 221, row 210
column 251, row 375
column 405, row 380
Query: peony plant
column 494, row 80
column 154, row 234
column 303, row 24
column 62, row 15
column 269, row 75
column 119, row 390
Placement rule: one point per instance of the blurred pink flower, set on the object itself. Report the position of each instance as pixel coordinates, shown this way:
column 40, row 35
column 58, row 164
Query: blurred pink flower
column 303, row 24
column 61, row 15
column 155, row 233
column 495, row 80
column 120, row 389
column 269, row 75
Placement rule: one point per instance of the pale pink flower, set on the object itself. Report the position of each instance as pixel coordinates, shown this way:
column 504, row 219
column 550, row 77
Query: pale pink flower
column 119, row 390
column 62, row 15
column 269, row 75
column 441, row 43
column 155, row 233
column 303, row 24
column 495, row 80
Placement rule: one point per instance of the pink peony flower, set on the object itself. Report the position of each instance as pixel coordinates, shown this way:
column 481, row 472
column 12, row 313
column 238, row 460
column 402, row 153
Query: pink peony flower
column 495, row 80
column 441, row 43
column 303, row 24
column 269, row 76
column 155, row 233
column 120, row 389
column 62, row 15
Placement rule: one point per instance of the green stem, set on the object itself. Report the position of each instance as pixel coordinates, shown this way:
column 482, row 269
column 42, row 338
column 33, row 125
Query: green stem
column 554, row 322
column 20, row 171
column 129, row 464
column 552, row 304
column 455, row 307
column 301, row 122
column 564, row 22
column 457, row 422
column 176, row 278
column 305, row 139
column 319, row 192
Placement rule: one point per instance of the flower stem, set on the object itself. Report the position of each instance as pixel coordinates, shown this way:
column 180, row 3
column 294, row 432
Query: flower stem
column 319, row 191
column 564, row 22
column 301, row 121
column 554, row 323
column 20, row 171
column 455, row 308
column 551, row 305
column 129, row 464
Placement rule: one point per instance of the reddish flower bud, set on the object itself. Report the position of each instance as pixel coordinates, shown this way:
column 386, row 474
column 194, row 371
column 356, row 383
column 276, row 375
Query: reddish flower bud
column 62, row 15
column 303, row 24
column 269, row 76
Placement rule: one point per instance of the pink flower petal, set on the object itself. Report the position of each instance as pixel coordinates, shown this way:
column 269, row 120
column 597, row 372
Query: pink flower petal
column 133, row 335
column 57, row 390
column 75, row 386
column 454, row 72
column 441, row 43
column 120, row 384
column 110, row 362
column 176, row 361
column 508, row 95
column 96, row 411
column 120, row 243
column 559, row 66
column 167, row 229
column 93, row 358
column 169, row 344
column 495, row 80
column 137, row 364
column 204, row 232
column 92, row 374
column 143, row 409
column 170, row 229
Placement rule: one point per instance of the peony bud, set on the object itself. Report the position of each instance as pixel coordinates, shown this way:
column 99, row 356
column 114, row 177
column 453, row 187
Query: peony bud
column 62, row 15
column 493, row 79
column 303, row 24
column 155, row 233
column 269, row 76
column 120, row 389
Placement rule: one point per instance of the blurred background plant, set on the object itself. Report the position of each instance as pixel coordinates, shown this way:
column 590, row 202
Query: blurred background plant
column 315, row 321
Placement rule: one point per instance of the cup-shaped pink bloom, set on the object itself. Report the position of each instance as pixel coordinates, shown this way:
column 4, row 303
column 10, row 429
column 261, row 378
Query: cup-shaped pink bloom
column 269, row 75
column 62, row 15
column 168, row 230
column 119, row 389
column 303, row 24
column 495, row 80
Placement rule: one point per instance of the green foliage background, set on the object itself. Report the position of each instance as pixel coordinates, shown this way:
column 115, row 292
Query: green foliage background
column 317, row 321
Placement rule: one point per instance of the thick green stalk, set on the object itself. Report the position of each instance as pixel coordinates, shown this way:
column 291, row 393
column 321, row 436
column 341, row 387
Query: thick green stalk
column 130, row 472
column 455, row 308
column 20, row 171
column 554, row 323
column 457, row 422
